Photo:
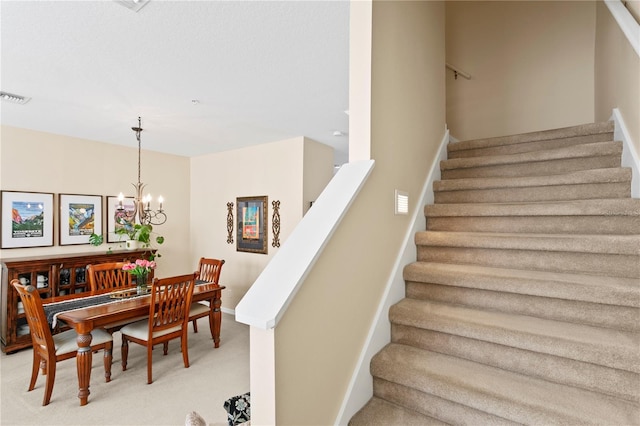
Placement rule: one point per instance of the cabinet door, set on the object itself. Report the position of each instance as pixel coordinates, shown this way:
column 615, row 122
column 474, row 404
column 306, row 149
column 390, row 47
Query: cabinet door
column 38, row 277
column 71, row 278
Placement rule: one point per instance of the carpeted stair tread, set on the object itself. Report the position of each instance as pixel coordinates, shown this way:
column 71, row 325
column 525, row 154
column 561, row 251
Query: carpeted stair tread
column 430, row 405
column 587, row 288
column 607, row 207
column 526, row 146
column 606, row 127
column 600, row 244
column 509, row 395
column 613, row 348
column 569, row 310
column 570, row 152
column 609, row 175
column 383, row 413
column 585, row 375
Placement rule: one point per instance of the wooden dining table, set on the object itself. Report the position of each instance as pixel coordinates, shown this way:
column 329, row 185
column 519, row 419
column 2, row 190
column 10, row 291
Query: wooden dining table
column 83, row 320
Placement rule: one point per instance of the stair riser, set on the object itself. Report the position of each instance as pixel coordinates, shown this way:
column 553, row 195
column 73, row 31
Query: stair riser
column 618, row 225
column 575, row 287
column 433, row 406
column 545, row 135
column 497, row 391
column 547, row 367
column 515, row 148
column 381, row 412
column 599, row 315
column 540, row 193
column 429, row 317
column 540, row 168
column 615, row 265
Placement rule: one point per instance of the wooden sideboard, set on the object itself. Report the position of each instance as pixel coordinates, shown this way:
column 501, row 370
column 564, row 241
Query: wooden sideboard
column 54, row 275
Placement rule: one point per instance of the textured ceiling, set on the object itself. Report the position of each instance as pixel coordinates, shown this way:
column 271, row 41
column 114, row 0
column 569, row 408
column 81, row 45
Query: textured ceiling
column 262, row 71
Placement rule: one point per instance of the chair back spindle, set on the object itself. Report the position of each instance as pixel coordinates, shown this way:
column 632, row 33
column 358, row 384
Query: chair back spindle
column 210, row 269
column 108, row 276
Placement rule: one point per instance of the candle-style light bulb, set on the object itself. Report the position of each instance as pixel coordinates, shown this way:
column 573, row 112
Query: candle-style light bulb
column 120, row 199
column 160, row 200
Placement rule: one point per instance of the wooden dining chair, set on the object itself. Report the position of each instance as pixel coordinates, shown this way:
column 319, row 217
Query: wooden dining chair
column 108, row 276
column 209, row 270
column 49, row 348
column 168, row 319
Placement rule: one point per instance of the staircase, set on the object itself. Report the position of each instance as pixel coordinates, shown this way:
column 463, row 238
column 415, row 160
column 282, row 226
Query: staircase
column 523, row 306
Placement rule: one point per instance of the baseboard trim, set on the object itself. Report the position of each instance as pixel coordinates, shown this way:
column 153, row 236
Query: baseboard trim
column 360, row 388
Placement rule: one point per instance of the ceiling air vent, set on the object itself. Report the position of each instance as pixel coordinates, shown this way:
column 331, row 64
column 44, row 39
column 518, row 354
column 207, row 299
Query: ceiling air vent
column 16, row 99
column 134, row 5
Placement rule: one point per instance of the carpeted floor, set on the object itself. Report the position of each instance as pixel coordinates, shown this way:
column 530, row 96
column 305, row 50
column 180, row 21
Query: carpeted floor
column 214, row 375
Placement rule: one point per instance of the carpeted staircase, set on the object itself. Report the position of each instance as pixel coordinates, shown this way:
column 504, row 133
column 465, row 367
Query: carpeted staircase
column 524, row 303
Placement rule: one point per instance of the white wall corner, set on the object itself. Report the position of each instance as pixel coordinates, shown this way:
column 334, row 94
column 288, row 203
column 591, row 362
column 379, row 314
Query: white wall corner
column 360, row 388
column 630, row 157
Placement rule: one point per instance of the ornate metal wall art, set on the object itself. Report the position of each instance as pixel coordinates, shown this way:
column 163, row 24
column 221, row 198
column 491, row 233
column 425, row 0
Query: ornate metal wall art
column 229, row 223
column 275, row 223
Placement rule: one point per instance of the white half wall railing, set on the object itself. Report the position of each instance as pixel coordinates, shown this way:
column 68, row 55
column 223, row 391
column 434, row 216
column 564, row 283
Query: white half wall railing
column 628, row 25
column 268, row 298
column 630, row 157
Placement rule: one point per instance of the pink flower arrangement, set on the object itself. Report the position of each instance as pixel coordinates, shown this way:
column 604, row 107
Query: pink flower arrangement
column 141, row 267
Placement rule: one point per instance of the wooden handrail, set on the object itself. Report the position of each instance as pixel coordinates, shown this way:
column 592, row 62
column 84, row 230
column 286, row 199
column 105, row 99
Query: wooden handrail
column 457, row 72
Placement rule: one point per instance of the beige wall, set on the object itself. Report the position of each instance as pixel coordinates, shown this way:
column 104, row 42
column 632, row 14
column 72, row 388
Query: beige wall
column 277, row 170
column 317, row 171
column 195, row 191
column 320, row 337
column 45, row 162
column 531, row 66
column 617, row 74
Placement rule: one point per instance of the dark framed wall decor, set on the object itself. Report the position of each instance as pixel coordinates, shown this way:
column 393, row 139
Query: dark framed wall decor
column 251, row 232
column 27, row 219
column 80, row 216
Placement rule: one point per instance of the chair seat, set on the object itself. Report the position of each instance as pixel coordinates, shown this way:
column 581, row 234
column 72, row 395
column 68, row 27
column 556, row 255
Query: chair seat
column 66, row 342
column 140, row 330
column 198, row 309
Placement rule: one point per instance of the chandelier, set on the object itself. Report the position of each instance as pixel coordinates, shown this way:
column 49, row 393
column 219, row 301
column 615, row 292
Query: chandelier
column 141, row 204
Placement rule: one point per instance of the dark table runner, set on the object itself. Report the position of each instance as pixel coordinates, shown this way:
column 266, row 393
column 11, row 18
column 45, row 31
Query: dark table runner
column 55, row 308
column 51, row 310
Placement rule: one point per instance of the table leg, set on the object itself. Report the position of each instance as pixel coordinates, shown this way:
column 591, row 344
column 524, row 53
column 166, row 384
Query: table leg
column 217, row 319
column 84, row 360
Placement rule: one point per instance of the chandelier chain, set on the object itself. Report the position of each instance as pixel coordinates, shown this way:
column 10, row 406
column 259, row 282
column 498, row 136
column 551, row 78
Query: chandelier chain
column 141, row 206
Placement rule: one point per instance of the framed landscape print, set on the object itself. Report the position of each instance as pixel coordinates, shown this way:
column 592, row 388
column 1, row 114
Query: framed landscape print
column 251, row 232
column 27, row 219
column 117, row 219
column 80, row 216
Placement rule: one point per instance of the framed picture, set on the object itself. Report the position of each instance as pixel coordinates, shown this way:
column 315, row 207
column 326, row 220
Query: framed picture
column 27, row 219
column 117, row 218
column 80, row 216
column 252, row 224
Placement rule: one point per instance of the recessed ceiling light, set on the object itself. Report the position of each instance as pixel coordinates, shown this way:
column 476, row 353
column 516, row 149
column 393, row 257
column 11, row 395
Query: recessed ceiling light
column 10, row 97
column 134, row 5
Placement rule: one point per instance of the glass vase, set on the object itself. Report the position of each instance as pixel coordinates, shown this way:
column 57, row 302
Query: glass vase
column 141, row 284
